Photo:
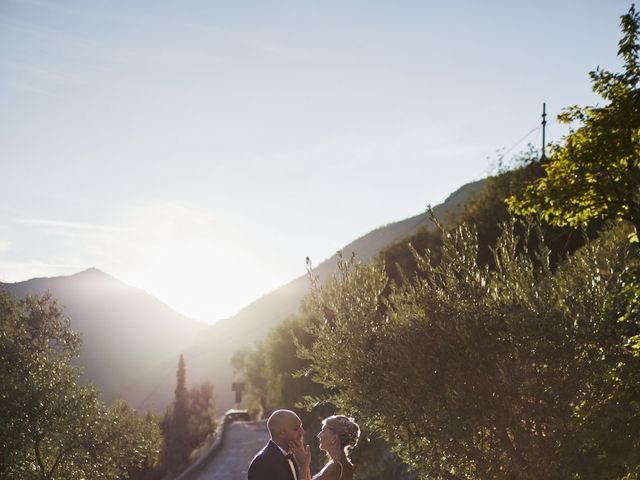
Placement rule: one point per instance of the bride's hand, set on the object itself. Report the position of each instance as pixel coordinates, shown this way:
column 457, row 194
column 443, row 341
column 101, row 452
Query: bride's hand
column 302, row 453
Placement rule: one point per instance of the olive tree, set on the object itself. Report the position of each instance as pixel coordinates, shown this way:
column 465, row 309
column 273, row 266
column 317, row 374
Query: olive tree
column 503, row 373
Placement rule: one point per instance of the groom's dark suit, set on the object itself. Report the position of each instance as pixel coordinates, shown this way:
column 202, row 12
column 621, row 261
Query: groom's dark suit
column 271, row 464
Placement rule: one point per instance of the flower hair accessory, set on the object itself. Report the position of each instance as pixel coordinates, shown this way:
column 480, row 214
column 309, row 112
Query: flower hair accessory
column 346, row 428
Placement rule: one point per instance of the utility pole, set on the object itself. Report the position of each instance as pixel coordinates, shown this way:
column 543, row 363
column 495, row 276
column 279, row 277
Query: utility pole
column 544, row 127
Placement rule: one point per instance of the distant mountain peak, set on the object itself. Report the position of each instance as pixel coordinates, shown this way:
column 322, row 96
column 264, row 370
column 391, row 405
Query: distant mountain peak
column 125, row 331
column 91, row 272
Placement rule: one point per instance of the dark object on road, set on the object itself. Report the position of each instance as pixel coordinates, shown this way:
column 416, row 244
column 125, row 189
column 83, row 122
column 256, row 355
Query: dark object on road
column 235, row 415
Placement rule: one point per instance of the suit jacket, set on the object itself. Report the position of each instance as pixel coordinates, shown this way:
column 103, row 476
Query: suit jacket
column 271, row 464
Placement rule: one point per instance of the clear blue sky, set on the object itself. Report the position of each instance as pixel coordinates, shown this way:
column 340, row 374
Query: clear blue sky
column 200, row 150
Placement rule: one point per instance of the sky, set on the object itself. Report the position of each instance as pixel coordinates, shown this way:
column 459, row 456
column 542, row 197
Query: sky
column 200, row 150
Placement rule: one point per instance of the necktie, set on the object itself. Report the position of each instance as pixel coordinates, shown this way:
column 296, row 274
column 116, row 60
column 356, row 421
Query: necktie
column 292, row 463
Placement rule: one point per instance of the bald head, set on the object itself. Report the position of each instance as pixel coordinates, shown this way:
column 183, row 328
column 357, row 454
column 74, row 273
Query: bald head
column 281, row 419
column 284, row 427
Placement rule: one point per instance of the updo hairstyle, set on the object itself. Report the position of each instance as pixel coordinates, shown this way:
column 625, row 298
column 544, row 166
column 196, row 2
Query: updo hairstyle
column 345, row 428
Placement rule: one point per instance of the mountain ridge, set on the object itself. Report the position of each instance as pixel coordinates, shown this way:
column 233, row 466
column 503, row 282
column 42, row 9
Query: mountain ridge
column 132, row 340
column 208, row 359
column 125, row 330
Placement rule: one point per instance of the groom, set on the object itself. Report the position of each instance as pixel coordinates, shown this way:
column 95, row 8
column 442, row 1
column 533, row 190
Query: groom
column 274, row 461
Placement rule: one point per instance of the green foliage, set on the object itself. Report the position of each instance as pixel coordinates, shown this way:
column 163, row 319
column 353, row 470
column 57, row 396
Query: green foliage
column 485, row 373
column 201, row 414
column 398, row 259
column 488, row 209
column 176, row 424
column 608, row 412
column 595, row 171
column 276, row 377
column 186, row 424
column 502, row 355
column 250, row 366
column 52, row 428
column 270, row 369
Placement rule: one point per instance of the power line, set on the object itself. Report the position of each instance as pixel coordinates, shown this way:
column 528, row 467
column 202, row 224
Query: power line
column 504, row 154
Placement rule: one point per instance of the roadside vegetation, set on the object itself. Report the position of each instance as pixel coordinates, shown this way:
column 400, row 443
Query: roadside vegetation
column 502, row 345
column 55, row 428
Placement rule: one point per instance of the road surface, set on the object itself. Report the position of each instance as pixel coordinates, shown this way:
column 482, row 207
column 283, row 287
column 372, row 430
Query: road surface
column 242, row 441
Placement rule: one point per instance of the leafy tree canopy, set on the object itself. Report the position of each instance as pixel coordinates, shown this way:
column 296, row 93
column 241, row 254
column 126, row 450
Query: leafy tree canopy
column 52, row 428
column 186, row 425
column 277, row 378
column 472, row 372
column 595, row 171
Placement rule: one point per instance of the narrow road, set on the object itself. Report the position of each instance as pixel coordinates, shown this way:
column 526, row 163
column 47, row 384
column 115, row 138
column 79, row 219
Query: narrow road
column 242, row 441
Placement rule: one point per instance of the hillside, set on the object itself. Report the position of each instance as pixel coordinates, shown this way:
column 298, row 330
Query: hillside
column 132, row 341
column 209, row 357
column 125, row 331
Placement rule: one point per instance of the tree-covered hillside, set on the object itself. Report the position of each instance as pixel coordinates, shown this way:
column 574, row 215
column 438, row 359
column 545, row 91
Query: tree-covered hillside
column 495, row 347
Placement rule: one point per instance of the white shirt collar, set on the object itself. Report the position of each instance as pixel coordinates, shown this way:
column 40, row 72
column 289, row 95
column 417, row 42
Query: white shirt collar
column 284, row 452
column 289, row 459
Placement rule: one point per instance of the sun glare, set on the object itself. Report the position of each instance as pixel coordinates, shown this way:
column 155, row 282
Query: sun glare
column 196, row 263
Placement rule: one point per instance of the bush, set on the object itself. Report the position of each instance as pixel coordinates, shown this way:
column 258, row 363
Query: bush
column 472, row 372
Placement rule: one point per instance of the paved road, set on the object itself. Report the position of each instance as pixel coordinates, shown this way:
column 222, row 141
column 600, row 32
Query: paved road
column 241, row 442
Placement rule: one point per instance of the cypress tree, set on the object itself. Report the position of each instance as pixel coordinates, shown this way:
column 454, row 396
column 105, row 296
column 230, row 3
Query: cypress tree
column 180, row 408
column 177, row 435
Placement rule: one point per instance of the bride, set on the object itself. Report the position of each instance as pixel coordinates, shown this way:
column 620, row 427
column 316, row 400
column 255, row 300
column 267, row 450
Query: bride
column 338, row 435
